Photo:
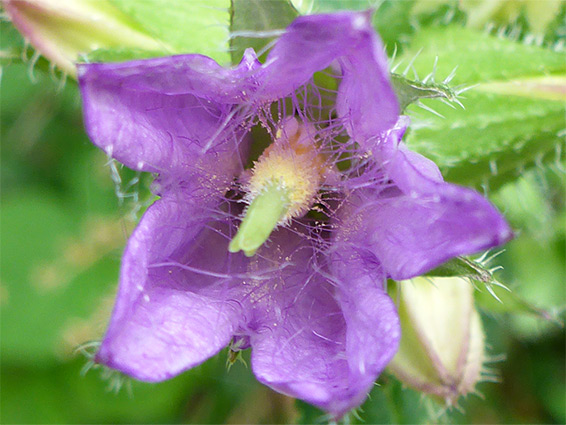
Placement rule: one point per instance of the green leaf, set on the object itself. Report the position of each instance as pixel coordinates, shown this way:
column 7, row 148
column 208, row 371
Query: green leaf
column 513, row 119
column 196, row 26
column 255, row 23
column 490, row 142
column 548, row 88
column 394, row 23
column 120, row 54
column 480, row 57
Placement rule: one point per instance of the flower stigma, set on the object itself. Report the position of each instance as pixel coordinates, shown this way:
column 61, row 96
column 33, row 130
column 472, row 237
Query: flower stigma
column 284, row 184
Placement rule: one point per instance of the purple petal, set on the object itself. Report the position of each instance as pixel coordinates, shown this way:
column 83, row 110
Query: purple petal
column 411, row 233
column 176, row 304
column 312, row 342
column 411, row 172
column 366, row 99
column 416, row 221
column 373, row 329
column 167, row 115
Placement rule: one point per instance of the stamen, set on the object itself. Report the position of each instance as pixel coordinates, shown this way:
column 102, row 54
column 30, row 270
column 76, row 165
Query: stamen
column 284, row 185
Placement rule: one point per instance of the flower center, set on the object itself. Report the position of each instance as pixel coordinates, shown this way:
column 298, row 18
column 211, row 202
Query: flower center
column 284, row 184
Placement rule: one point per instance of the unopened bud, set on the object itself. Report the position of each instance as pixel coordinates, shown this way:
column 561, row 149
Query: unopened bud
column 442, row 344
column 63, row 30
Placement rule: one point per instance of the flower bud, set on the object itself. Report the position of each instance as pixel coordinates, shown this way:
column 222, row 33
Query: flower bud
column 61, row 31
column 442, row 343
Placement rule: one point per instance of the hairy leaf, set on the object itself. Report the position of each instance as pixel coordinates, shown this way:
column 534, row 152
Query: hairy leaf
column 196, row 26
column 121, row 54
column 490, row 142
column 512, row 119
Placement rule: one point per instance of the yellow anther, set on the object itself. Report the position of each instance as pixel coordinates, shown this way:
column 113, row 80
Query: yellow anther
column 293, row 163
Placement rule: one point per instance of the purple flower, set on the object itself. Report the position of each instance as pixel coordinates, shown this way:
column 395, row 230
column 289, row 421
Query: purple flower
column 356, row 207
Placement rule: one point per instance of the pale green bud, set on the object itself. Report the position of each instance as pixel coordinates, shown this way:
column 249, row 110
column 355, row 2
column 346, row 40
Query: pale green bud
column 63, row 30
column 442, row 343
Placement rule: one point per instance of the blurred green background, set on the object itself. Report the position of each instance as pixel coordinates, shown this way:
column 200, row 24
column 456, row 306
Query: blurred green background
column 66, row 212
